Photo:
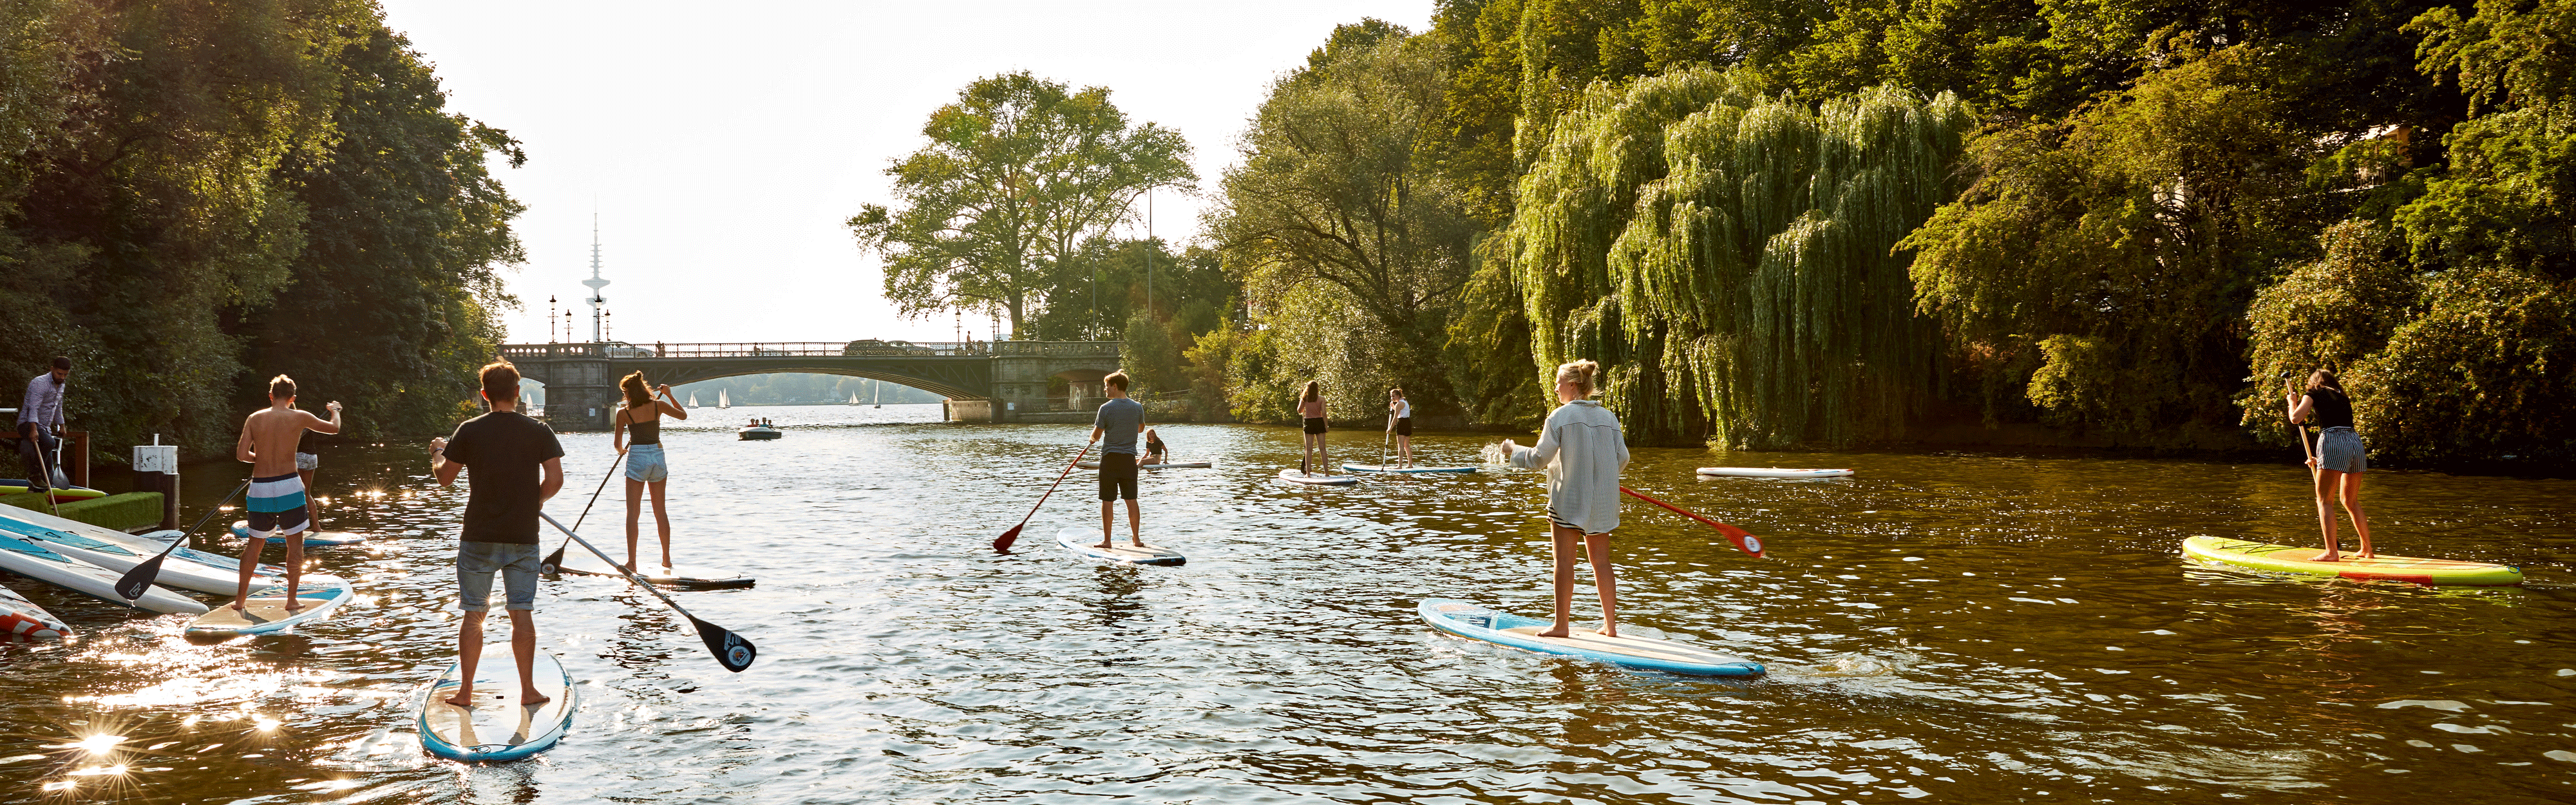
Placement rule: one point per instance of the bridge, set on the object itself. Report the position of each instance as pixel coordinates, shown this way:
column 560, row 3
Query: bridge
column 984, row 381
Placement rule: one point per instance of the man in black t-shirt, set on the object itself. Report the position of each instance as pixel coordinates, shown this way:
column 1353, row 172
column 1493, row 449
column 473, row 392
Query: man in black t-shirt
column 517, row 466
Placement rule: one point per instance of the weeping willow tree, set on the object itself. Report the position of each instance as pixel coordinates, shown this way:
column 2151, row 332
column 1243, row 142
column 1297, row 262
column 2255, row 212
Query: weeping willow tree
column 1726, row 255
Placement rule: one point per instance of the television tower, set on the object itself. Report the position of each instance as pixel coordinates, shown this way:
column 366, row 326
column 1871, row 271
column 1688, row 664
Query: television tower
column 598, row 303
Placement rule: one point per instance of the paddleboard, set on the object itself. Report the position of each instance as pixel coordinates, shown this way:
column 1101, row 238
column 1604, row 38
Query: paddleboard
column 1083, row 542
column 497, row 728
column 1770, row 472
column 120, row 552
column 1291, row 475
column 231, row 565
column 61, row 494
column 265, row 612
column 2295, row 559
column 21, row 621
column 580, row 562
column 1177, row 465
column 33, row 560
column 1396, row 468
column 1505, row 629
column 312, row 539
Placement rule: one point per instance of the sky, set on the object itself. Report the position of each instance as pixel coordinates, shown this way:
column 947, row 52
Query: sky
column 722, row 147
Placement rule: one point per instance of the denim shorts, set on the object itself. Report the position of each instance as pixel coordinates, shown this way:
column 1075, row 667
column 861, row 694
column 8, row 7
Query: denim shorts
column 475, row 563
column 2340, row 449
column 644, row 462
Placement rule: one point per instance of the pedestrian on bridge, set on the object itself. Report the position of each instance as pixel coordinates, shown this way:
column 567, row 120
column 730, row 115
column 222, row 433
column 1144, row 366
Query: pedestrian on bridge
column 641, row 412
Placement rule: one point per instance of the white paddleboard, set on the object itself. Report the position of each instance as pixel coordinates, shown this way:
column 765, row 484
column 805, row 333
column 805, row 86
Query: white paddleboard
column 1505, row 629
column 186, row 569
column 30, row 558
column 1084, row 542
column 580, row 562
column 1400, row 468
column 266, row 612
column 497, row 728
column 1770, row 472
column 1291, row 475
column 21, row 621
column 312, row 539
column 1177, row 465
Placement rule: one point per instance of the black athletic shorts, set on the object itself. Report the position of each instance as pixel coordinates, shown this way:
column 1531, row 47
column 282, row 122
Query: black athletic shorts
column 1314, row 424
column 1117, row 476
column 1404, row 426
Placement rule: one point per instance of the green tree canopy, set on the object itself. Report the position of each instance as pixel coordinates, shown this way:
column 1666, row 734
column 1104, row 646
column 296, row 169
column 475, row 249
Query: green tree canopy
column 1018, row 172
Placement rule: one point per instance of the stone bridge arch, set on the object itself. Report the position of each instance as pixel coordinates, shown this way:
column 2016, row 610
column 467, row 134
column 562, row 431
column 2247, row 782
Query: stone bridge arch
column 984, row 381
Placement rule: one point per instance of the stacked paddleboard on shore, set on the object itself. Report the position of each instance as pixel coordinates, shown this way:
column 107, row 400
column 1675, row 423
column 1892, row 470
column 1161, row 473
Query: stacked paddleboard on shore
column 21, row 621
column 2264, row 556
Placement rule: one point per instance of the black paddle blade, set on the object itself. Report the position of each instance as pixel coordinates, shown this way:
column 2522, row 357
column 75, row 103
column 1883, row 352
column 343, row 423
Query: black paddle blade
column 1002, row 544
column 553, row 561
column 132, row 586
column 731, row 650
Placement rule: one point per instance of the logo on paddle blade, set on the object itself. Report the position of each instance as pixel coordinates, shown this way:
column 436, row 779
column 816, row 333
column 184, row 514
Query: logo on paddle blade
column 1752, row 544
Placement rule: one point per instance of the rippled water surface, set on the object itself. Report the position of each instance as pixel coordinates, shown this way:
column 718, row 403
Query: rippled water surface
column 1955, row 627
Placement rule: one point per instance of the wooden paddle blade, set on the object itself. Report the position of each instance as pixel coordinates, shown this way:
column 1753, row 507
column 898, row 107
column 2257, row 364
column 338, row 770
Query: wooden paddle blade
column 1002, row 544
column 731, row 650
column 1744, row 540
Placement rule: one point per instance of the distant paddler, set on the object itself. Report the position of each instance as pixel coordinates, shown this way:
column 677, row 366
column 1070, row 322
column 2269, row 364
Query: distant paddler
column 646, row 467
column 1156, row 452
column 1115, row 428
column 1583, row 450
column 2338, row 461
column 517, row 464
column 276, row 496
column 1399, row 421
column 1310, row 406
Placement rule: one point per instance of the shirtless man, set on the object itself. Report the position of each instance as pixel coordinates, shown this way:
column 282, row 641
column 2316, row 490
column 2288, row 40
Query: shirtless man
column 268, row 440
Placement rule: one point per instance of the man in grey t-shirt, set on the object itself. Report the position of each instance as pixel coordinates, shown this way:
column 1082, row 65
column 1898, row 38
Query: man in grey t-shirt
column 1119, row 420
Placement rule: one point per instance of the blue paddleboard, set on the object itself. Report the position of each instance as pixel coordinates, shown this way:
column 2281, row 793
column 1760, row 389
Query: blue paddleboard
column 497, row 728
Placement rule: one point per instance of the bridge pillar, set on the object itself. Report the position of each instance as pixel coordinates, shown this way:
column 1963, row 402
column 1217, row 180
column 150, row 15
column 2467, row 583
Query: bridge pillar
column 580, row 389
column 1019, row 385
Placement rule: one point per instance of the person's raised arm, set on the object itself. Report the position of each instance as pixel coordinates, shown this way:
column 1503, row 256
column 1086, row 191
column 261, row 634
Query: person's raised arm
column 440, row 466
column 1532, row 458
column 319, row 425
column 2300, row 405
column 553, row 480
column 671, row 405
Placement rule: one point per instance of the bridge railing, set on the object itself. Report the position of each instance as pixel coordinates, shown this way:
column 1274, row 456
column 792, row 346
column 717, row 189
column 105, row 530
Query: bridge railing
column 813, row 349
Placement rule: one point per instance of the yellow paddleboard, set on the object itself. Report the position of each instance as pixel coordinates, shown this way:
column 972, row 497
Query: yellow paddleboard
column 2295, row 559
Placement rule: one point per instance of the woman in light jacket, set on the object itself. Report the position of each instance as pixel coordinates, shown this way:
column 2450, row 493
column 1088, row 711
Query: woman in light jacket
column 1583, row 451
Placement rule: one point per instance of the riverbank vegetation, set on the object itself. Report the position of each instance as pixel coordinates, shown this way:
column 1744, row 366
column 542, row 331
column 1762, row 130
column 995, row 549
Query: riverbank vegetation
column 195, row 196
column 1861, row 221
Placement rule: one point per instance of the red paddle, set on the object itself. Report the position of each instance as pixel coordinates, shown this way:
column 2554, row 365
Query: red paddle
column 1002, row 544
column 1743, row 541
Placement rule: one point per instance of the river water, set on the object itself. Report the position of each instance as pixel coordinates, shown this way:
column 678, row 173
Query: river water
column 1955, row 627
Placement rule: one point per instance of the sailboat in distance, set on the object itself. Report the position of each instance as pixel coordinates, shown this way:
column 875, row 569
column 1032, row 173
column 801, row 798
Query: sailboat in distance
column 693, row 399
column 854, row 398
column 880, row 387
column 723, row 400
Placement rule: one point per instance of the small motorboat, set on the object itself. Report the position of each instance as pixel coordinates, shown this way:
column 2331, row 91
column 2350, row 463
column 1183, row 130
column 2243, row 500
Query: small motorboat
column 758, row 433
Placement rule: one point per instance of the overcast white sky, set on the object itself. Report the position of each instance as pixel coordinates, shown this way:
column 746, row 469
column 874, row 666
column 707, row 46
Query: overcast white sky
column 723, row 145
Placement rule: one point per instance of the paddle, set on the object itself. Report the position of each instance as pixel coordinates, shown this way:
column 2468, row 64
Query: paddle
column 1745, row 542
column 2301, row 434
column 554, row 561
column 1002, row 544
column 48, row 469
column 731, row 650
column 139, row 578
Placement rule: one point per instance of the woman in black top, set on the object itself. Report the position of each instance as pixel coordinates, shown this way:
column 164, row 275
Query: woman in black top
column 638, row 436
column 2339, row 459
